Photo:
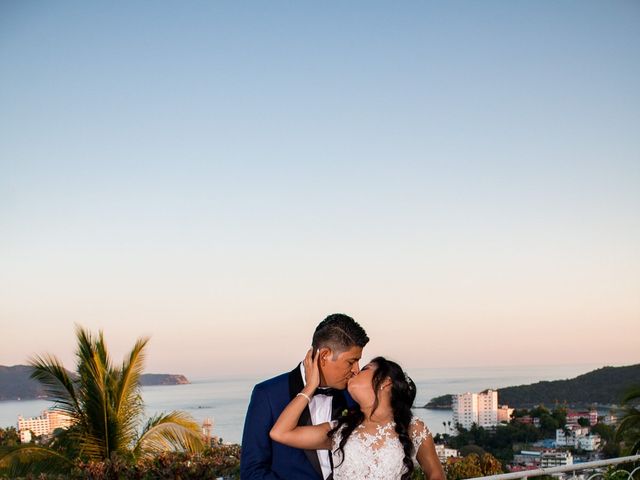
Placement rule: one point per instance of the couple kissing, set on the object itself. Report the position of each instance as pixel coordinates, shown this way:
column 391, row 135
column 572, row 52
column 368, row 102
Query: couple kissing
column 328, row 419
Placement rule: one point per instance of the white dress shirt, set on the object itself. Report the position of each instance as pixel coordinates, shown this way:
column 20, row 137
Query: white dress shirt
column 320, row 409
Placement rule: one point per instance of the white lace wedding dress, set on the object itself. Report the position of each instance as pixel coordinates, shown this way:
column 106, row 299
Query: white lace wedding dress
column 378, row 455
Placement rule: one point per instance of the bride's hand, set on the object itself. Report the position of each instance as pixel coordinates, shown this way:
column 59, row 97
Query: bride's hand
column 312, row 370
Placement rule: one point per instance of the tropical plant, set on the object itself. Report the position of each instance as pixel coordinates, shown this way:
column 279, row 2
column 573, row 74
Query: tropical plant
column 9, row 437
column 473, row 465
column 107, row 411
column 628, row 430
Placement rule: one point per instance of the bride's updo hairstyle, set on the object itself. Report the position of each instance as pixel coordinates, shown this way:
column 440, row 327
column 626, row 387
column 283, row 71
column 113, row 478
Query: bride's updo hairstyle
column 403, row 394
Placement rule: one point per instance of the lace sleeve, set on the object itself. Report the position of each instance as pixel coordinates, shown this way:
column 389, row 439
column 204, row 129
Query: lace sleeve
column 418, row 432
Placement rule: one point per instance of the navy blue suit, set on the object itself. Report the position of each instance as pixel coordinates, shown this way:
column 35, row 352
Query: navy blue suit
column 264, row 459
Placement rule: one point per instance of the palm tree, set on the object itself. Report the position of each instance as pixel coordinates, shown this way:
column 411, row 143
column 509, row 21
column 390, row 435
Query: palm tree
column 107, row 410
column 629, row 427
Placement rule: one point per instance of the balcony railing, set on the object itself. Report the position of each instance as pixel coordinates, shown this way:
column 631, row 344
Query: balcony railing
column 594, row 469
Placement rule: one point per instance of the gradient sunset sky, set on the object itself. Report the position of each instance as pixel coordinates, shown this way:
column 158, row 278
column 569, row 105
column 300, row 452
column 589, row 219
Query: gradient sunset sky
column 463, row 178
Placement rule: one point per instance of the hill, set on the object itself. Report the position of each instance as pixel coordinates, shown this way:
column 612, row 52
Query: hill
column 15, row 383
column 604, row 386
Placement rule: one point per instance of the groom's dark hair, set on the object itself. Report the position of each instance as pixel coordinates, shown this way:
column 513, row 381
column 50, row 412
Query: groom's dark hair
column 339, row 332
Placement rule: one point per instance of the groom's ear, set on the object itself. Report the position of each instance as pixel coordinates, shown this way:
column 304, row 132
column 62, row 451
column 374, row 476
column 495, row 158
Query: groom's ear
column 325, row 354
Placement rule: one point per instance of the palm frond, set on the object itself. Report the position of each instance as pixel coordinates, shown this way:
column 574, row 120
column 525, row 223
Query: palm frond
column 128, row 404
column 50, row 372
column 171, row 431
column 631, row 395
column 97, row 442
column 33, row 459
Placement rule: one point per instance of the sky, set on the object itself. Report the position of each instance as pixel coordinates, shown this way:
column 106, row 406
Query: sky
column 463, row 178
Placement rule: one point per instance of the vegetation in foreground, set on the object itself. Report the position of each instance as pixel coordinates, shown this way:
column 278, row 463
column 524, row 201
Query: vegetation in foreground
column 212, row 463
column 107, row 410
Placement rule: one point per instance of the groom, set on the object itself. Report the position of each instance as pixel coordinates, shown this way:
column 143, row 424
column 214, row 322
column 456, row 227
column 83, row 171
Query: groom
column 339, row 341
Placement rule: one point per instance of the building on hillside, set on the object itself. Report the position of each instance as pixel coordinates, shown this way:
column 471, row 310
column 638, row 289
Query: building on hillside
column 590, row 443
column 444, row 453
column 527, row 458
column 552, row 458
column 573, row 416
column 504, row 413
column 578, row 437
column 479, row 408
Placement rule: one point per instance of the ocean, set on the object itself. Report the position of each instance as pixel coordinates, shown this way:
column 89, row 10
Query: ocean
column 225, row 400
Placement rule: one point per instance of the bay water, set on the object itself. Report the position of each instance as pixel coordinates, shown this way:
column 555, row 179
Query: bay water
column 225, row 400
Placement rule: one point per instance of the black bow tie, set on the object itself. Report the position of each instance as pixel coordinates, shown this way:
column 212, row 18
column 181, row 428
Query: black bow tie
column 328, row 391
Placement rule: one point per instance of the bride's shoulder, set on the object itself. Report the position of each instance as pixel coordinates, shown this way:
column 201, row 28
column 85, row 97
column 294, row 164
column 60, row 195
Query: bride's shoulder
column 418, row 431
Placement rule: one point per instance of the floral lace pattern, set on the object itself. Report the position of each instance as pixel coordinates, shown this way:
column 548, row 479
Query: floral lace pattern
column 375, row 456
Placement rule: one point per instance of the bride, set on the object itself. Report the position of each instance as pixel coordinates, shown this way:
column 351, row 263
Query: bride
column 381, row 440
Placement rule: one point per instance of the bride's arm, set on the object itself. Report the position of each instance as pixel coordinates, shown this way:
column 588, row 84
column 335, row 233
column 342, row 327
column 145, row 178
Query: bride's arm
column 429, row 461
column 426, row 451
column 286, row 429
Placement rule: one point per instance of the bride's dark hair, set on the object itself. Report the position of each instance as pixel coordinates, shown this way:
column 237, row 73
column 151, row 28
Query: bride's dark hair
column 403, row 393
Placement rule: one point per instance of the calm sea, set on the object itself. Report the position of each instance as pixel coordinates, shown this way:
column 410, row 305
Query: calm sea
column 225, row 400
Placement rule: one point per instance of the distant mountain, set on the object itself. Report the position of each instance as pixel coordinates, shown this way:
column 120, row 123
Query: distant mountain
column 150, row 379
column 15, row 383
column 604, row 386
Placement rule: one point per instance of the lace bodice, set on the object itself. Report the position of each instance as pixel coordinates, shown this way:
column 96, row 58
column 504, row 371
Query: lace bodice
column 373, row 456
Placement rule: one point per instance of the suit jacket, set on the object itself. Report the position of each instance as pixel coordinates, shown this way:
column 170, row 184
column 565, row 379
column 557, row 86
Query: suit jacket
column 264, row 459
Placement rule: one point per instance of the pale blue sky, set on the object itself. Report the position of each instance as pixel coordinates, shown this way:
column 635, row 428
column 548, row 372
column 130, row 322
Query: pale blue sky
column 461, row 177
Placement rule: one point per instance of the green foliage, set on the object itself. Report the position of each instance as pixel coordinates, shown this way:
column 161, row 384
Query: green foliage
column 472, row 466
column 584, row 422
column 105, row 404
column 628, row 430
column 469, row 449
column 604, row 386
column 9, row 437
column 610, row 447
column 212, row 463
column 500, row 442
column 443, row 401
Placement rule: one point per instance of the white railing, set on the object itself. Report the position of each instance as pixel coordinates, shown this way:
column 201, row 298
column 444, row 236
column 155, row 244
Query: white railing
column 598, row 464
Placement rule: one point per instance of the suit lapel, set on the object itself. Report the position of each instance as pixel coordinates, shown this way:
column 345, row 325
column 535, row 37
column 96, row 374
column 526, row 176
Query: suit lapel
column 338, row 406
column 295, row 386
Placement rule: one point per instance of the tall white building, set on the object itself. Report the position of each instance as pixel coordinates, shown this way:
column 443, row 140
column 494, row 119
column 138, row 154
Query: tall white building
column 479, row 408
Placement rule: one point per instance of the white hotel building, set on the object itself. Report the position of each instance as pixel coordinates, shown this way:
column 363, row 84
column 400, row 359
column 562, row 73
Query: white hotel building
column 45, row 424
column 479, row 408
